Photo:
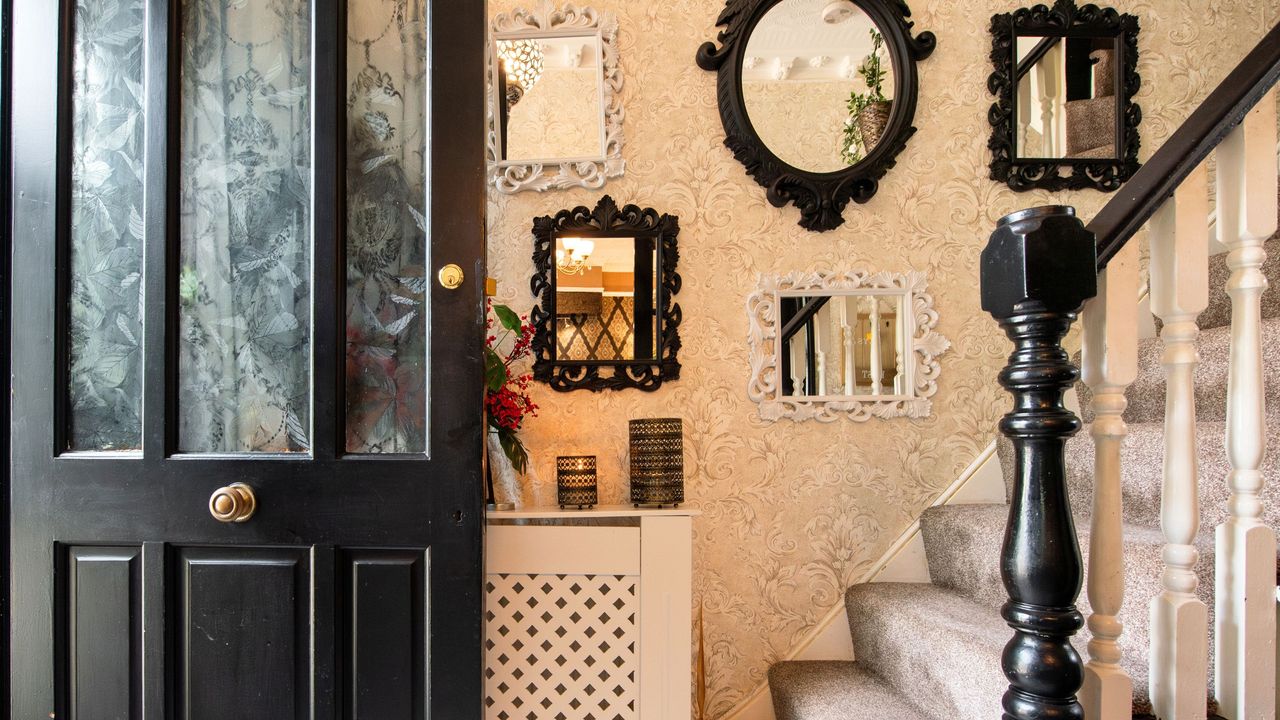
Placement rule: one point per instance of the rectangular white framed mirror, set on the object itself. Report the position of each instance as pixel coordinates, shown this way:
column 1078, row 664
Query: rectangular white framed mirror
column 554, row 99
column 853, row 344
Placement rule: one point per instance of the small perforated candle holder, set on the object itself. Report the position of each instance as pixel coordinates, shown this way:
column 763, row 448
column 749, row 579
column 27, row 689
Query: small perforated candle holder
column 657, row 462
column 576, row 481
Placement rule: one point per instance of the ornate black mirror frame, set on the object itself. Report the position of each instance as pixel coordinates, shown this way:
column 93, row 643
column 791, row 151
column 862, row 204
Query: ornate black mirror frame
column 1064, row 20
column 821, row 197
column 606, row 220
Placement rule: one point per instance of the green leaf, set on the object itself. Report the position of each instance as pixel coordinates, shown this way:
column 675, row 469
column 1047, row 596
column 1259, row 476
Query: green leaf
column 495, row 372
column 507, row 317
column 514, row 450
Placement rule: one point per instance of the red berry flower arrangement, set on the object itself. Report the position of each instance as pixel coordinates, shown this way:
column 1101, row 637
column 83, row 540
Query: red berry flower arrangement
column 506, row 398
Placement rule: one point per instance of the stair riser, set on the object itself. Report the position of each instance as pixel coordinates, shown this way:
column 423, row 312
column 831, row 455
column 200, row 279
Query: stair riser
column 1146, row 395
column 949, row 668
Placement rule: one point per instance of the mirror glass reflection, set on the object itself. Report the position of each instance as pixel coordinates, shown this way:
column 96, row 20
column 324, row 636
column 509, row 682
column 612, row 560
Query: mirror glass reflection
column 1067, row 104
column 842, row 345
column 606, row 291
column 818, row 84
column 551, row 103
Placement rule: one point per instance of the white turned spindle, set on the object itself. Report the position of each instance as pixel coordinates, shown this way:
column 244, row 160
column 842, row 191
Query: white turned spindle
column 1245, row 641
column 900, row 369
column 1179, row 292
column 820, row 358
column 877, row 362
column 1109, row 365
column 846, row 338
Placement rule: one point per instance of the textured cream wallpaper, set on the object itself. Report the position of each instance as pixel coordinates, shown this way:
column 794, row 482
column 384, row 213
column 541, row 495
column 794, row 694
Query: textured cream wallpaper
column 791, row 513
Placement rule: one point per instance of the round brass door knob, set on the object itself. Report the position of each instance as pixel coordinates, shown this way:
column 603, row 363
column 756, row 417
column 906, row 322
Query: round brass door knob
column 233, row 503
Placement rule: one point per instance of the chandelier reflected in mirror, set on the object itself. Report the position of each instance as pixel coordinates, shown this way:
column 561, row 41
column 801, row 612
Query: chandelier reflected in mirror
column 522, row 62
column 575, row 255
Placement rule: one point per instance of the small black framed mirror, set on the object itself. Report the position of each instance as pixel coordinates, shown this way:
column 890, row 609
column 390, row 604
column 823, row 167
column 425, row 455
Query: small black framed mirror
column 817, row 97
column 605, row 278
column 1064, row 80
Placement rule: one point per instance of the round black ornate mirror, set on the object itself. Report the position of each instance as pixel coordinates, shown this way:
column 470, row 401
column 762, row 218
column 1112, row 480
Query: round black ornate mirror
column 817, row 97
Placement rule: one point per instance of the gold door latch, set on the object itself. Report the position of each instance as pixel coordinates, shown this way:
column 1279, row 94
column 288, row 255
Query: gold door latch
column 233, row 503
column 451, row 276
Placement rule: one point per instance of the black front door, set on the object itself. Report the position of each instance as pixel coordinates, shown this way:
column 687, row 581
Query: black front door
column 246, row 432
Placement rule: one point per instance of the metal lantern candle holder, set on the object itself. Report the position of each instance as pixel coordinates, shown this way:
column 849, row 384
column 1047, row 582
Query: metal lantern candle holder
column 657, row 462
column 576, row 481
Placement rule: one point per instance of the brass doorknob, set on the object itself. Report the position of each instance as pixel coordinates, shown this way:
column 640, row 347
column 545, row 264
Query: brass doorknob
column 233, row 503
column 451, row 276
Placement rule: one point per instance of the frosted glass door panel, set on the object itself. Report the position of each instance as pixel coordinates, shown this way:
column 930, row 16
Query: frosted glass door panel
column 245, row 289
column 105, row 389
column 387, row 286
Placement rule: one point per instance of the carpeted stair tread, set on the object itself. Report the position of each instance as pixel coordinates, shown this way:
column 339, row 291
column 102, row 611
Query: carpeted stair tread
column 931, row 644
column 1146, row 395
column 1142, row 468
column 835, row 690
column 962, row 544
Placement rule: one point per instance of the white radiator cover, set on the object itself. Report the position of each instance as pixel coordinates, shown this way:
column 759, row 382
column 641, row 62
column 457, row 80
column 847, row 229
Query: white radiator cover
column 589, row 622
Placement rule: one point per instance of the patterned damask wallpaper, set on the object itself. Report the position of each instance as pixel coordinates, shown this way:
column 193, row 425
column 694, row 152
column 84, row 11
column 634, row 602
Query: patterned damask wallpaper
column 792, row 513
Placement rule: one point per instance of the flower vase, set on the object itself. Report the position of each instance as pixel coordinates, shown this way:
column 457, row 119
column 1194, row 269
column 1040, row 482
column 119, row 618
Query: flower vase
column 506, row 483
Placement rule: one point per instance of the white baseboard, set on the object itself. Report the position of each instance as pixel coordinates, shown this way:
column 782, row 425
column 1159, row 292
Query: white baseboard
column 980, row 483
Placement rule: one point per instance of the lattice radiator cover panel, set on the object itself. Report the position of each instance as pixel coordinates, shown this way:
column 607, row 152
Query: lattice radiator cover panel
column 561, row 647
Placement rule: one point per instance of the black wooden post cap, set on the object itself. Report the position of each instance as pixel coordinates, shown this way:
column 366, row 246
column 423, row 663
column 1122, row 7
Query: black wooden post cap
column 1039, row 259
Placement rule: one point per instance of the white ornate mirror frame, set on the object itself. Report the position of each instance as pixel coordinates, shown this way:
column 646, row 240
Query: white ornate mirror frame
column 919, row 363
column 512, row 176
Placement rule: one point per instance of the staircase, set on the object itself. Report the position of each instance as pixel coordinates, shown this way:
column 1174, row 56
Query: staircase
column 933, row 651
column 1166, row 492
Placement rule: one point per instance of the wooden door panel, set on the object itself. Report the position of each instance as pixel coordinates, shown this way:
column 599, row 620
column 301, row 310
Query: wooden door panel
column 243, row 645
column 103, row 626
column 385, row 633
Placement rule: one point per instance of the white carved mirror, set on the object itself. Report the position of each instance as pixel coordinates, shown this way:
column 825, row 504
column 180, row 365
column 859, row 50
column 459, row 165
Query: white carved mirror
column 860, row 345
column 554, row 89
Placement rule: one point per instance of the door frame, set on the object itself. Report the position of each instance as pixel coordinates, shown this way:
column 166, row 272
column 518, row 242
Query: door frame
column 6, row 248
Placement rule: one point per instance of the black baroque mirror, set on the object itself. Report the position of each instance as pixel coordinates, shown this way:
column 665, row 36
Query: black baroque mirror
column 1064, row 80
column 604, row 278
column 817, row 97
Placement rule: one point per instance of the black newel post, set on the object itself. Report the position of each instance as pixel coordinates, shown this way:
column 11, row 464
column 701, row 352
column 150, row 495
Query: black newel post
column 1037, row 270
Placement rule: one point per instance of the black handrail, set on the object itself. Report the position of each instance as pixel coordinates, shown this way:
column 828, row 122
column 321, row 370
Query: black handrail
column 803, row 316
column 1037, row 54
column 1220, row 113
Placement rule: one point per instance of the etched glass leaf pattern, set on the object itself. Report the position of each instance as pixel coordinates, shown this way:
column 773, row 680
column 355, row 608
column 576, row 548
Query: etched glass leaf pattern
column 244, row 288
column 105, row 389
column 386, row 362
